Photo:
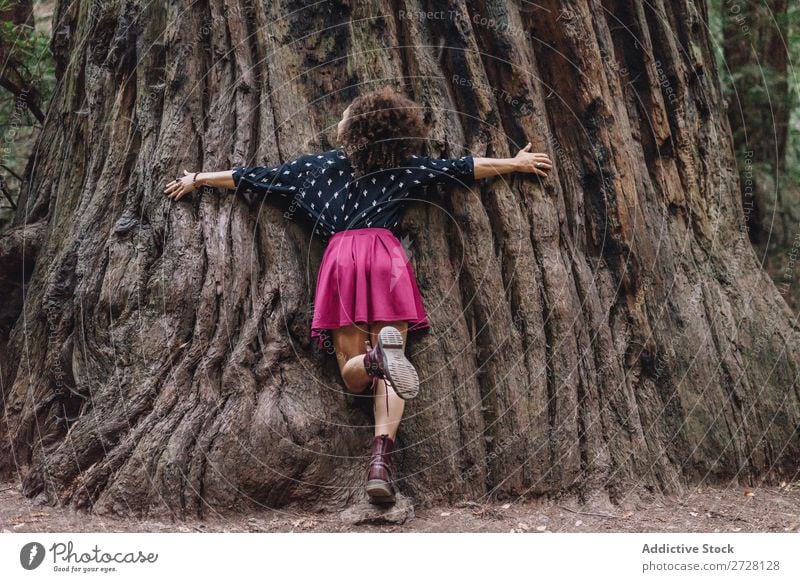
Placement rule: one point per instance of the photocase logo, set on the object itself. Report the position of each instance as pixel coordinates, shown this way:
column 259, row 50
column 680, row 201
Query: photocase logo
column 31, row 555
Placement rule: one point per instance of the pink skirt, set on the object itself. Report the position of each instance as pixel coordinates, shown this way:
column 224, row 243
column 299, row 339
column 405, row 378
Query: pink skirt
column 365, row 277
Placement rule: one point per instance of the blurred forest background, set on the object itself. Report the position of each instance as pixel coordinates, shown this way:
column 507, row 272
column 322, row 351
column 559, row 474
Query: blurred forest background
column 756, row 45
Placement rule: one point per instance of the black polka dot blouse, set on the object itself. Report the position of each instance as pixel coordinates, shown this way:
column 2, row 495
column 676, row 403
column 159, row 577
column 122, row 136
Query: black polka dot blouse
column 324, row 188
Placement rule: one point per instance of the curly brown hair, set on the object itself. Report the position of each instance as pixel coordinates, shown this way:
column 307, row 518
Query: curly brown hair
column 382, row 129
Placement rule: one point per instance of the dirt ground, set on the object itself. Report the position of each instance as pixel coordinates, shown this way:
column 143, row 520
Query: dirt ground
column 705, row 509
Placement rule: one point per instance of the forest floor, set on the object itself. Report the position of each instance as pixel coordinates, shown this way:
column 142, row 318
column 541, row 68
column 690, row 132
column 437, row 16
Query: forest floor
column 706, row 509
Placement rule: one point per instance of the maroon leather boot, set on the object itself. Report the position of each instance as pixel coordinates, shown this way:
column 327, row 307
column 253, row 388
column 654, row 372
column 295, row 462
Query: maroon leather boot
column 386, row 360
column 380, row 475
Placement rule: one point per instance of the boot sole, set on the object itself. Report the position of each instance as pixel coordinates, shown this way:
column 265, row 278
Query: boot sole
column 379, row 492
column 398, row 370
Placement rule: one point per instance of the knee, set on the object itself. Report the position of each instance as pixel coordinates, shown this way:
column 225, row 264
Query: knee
column 353, row 380
column 348, row 364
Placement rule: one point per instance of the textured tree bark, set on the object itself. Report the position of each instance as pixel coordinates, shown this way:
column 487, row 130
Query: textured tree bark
column 607, row 332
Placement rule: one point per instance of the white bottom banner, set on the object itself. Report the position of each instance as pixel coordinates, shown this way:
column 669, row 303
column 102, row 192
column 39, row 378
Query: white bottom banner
column 389, row 556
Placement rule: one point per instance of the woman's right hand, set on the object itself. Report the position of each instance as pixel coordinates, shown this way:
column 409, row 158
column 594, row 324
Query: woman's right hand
column 177, row 189
column 535, row 163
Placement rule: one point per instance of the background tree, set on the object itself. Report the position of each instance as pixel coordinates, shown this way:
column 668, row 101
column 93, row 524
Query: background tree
column 26, row 82
column 758, row 42
column 607, row 333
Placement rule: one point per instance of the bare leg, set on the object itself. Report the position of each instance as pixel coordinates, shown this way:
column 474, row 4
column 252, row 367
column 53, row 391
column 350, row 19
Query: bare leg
column 387, row 423
column 349, row 345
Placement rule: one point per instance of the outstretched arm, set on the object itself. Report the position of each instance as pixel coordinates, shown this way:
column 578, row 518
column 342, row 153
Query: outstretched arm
column 177, row 189
column 524, row 161
column 252, row 182
column 222, row 179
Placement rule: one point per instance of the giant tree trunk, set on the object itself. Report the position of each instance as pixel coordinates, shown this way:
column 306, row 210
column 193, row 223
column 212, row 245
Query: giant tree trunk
column 606, row 332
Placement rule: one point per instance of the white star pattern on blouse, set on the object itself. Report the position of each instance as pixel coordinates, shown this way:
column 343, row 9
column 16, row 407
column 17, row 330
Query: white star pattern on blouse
column 381, row 187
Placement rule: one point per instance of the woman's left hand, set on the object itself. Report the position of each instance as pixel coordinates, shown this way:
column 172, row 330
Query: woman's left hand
column 177, row 189
column 535, row 163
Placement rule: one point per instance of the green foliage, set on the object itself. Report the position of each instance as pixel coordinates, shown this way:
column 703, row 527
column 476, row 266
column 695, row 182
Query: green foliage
column 755, row 83
column 28, row 50
column 793, row 141
column 28, row 63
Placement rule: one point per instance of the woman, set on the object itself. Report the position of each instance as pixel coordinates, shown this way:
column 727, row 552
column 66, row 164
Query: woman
column 366, row 296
